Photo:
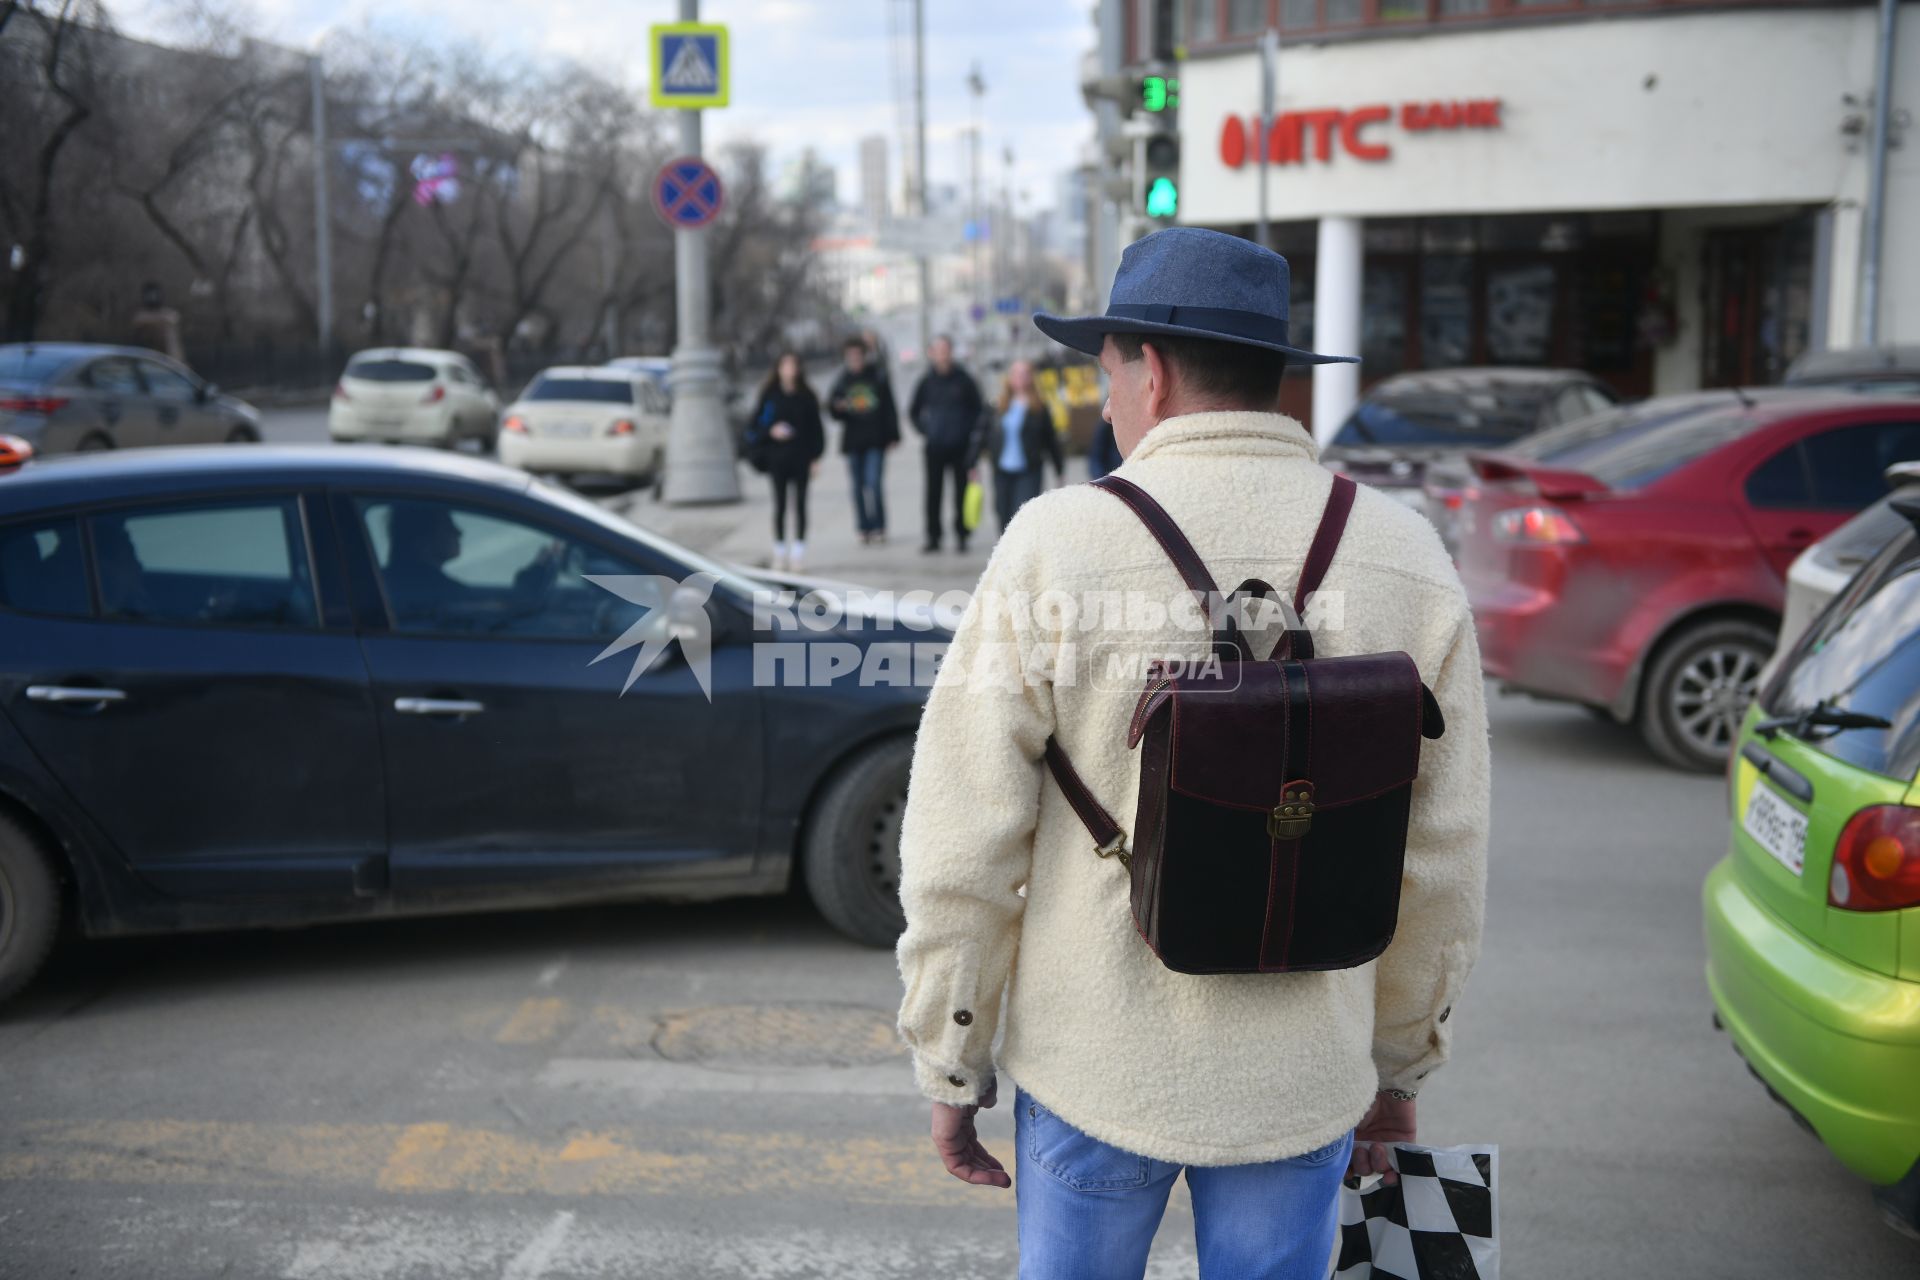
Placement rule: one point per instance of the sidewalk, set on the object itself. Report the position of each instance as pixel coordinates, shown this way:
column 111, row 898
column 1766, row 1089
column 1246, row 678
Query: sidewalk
column 742, row 532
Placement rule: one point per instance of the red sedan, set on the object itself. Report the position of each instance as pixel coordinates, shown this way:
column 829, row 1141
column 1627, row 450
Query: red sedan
column 1635, row 561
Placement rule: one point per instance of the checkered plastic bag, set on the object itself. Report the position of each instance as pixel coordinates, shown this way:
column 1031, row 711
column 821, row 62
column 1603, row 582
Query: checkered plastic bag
column 1441, row 1222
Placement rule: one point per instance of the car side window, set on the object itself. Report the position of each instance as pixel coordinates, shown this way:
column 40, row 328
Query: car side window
column 452, row 570
column 1849, row 463
column 1781, row 481
column 43, row 570
column 168, row 384
column 115, row 374
column 239, row 563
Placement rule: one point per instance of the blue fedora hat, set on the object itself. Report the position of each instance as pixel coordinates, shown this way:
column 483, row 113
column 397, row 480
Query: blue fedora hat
column 1188, row 282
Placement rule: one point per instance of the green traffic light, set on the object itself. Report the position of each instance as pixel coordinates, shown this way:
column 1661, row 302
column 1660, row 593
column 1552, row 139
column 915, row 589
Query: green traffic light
column 1163, row 199
column 1153, row 93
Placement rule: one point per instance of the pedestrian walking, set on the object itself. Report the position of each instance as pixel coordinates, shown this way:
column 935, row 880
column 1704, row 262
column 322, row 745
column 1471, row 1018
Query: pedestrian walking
column 788, row 431
column 1019, row 441
column 861, row 399
column 945, row 410
column 1265, row 1082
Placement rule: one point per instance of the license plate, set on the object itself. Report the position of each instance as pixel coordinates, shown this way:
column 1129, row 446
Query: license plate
column 570, row 430
column 1777, row 827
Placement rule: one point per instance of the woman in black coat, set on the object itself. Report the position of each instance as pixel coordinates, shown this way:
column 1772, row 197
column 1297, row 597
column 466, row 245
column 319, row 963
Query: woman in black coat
column 789, row 436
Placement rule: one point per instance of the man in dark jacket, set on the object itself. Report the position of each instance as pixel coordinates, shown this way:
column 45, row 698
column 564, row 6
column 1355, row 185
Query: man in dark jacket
column 862, row 399
column 946, row 410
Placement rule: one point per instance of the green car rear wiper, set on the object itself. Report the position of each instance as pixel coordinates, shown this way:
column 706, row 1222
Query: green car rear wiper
column 1821, row 715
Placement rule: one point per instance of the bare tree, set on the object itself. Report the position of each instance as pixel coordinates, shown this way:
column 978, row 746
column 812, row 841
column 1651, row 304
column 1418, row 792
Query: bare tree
column 51, row 76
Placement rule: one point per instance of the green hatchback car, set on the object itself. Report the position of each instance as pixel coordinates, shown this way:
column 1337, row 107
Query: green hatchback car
column 1813, row 917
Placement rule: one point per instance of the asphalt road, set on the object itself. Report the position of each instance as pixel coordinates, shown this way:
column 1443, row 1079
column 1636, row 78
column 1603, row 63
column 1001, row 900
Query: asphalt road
column 714, row 1091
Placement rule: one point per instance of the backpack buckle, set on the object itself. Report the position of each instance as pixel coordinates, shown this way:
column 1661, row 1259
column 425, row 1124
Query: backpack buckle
column 1290, row 818
column 1116, row 848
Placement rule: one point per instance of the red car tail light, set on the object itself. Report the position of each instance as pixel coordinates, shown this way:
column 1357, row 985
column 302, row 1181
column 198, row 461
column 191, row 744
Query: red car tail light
column 1536, row 526
column 515, row 423
column 1876, row 861
column 434, row 396
column 32, row 404
column 14, row 452
column 624, row 427
column 340, row 391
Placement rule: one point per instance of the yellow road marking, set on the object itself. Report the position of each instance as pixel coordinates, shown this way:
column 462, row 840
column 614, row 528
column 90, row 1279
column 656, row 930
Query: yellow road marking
column 537, row 1020
column 439, row 1158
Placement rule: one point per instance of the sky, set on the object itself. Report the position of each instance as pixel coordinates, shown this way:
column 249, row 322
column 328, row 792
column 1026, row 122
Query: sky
column 817, row 73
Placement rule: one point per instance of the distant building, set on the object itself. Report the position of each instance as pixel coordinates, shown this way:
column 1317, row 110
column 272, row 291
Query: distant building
column 811, row 179
column 875, row 204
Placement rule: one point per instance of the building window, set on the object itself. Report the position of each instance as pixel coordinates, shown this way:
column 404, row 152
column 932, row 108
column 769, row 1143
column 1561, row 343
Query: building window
column 1206, row 22
column 1246, row 17
column 1403, row 10
column 1298, row 14
column 1463, row 8
column 1345, row 13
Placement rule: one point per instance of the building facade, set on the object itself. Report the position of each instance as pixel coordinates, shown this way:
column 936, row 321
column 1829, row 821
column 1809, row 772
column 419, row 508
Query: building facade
column 1669, row 196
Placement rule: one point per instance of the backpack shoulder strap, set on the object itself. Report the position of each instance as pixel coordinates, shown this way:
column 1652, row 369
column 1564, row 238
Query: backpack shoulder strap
column 1326, row 540
column 1185, row 559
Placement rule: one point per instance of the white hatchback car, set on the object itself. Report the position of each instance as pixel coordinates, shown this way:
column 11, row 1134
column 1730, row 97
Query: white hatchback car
column 413, row 395
column 576, row 418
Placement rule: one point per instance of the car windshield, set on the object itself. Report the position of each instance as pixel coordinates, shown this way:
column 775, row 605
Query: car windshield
column 1430, row 415
column 1863, row 654
column 31, row 364
column 1629, row 448
column 592, row 390
column 390, row 371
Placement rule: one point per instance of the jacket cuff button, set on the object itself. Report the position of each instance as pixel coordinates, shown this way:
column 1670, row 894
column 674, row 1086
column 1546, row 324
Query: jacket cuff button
column 963, row 1017
column 1446, row 1013
column 956, row 1082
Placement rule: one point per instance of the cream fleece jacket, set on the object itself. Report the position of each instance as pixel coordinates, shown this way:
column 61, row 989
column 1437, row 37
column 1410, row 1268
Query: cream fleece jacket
column 1002, row 889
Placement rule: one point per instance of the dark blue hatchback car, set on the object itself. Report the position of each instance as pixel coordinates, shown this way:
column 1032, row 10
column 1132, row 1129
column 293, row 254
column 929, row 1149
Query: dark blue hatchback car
column 279, row 686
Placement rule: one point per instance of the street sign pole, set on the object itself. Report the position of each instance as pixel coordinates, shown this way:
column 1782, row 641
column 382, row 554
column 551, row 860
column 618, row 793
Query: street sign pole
column 1269, row 86
column 700, row 457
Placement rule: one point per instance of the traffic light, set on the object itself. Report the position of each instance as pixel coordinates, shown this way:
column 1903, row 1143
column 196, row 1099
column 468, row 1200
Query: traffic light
column 1159, row 153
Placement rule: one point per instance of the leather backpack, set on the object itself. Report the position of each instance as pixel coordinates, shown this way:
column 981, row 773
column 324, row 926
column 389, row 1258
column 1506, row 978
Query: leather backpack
column 1274, row 793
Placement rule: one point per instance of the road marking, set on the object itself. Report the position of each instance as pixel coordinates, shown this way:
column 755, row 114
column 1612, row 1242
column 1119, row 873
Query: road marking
column 438, row 1158
column 533, row 1261
column 655, row 1075
column 537, row 1020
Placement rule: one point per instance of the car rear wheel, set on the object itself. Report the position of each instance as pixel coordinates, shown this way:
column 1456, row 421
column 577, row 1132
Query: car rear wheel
column 851, row 852
column 1698, row 690
column 95, row 443
column 243, row 435
column 29, row 907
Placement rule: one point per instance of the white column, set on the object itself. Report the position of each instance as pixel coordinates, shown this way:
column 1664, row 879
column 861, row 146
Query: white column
column 1336, row 323
column 700, row 465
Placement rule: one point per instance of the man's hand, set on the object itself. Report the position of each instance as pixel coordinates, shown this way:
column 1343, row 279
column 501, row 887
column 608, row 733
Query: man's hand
column 959, row 1146
column 1390, row 1119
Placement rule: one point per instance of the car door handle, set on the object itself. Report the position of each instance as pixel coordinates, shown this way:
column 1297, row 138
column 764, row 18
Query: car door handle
column 73, row 693
column 437, row 707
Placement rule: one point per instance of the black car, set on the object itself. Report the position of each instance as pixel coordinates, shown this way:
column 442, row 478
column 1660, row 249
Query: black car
column 1411, row 420
column 280, row 686
column 81, row 397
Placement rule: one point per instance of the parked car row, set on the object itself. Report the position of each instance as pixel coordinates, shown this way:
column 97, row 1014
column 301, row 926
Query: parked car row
column 607, row 420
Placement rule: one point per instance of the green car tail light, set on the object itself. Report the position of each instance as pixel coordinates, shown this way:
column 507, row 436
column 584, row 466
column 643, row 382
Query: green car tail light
column 1876, row 861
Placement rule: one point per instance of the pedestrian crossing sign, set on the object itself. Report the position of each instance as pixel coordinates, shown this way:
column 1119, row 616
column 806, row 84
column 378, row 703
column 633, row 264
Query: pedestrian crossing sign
column 689, row 66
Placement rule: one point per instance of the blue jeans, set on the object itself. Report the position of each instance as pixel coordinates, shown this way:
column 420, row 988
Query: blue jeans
column 869, row 508
column 1088, row 1211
